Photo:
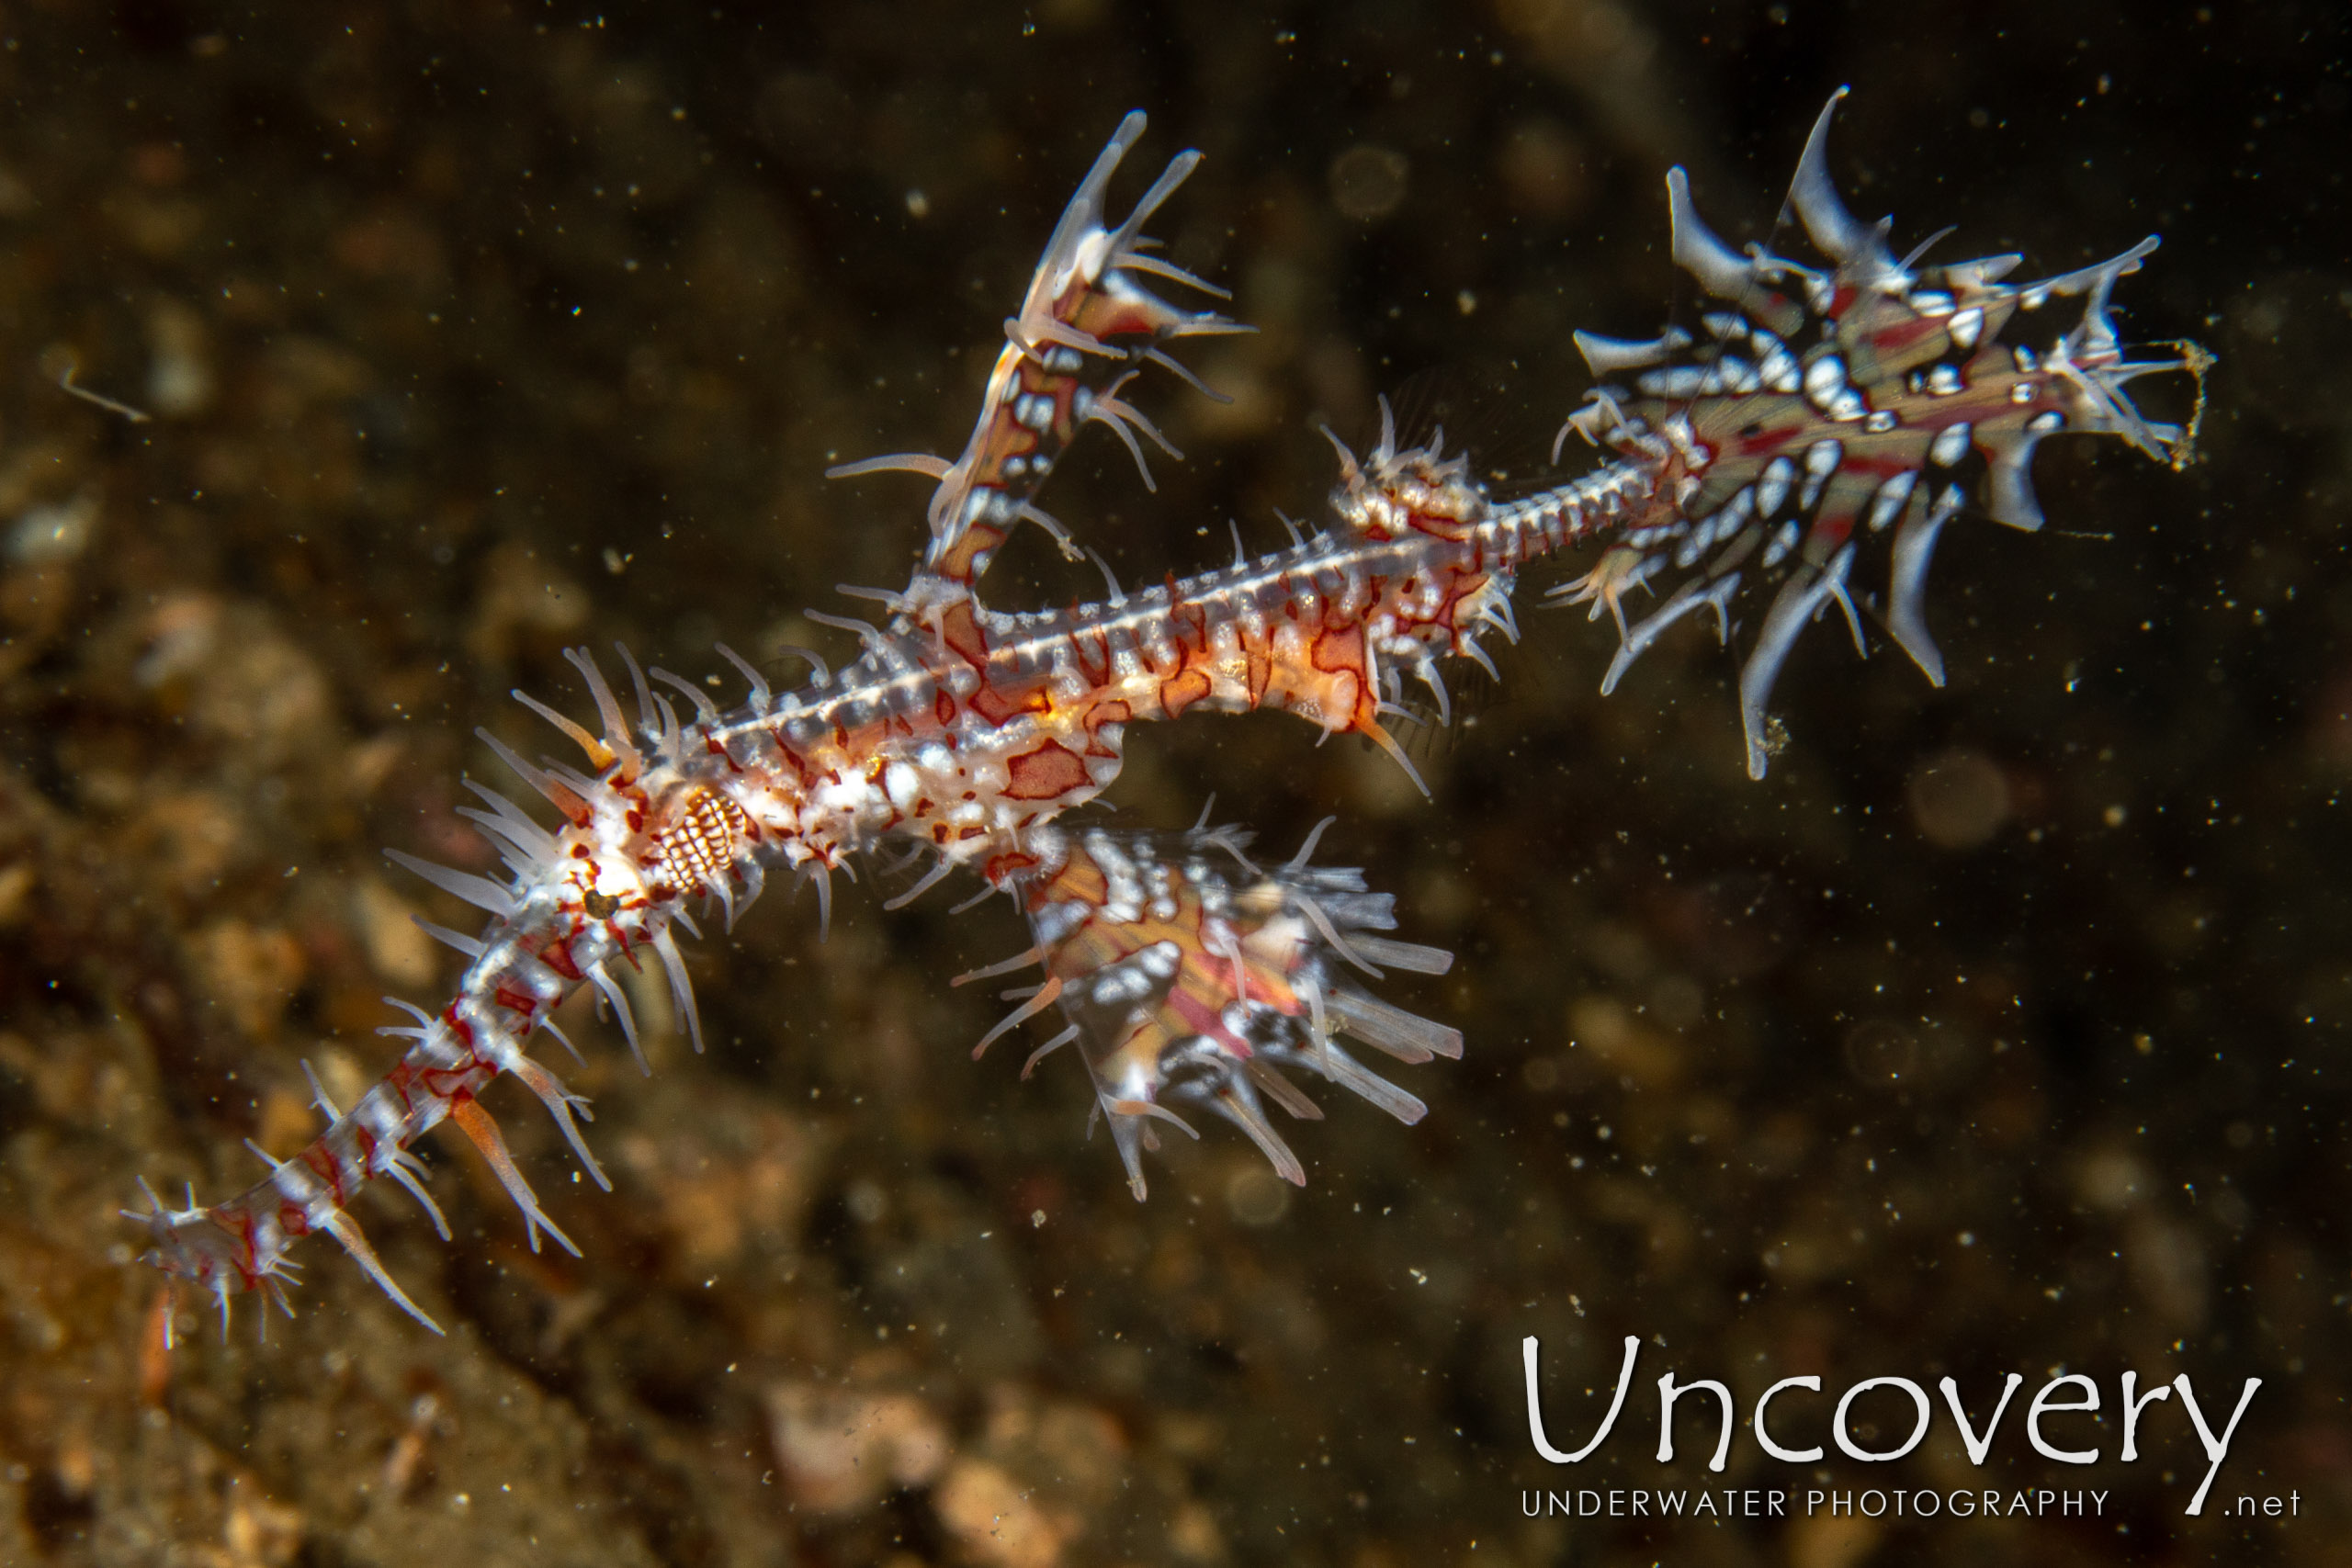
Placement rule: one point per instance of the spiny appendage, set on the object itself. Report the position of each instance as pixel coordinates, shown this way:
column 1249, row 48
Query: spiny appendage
column 1190, row 975
column 1437, row 575
column 1777, row 460
column 242, row 1245
column 1395, row 491
column 1085, row 329
column 573, row 901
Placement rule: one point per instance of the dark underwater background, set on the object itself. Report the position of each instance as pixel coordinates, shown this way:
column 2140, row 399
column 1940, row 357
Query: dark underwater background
column 2002, row 1028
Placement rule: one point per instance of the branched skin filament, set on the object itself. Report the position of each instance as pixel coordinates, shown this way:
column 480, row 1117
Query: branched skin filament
column 1827, row 413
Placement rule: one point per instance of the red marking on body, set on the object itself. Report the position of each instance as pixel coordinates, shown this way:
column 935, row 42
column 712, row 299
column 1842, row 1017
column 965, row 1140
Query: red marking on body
column 943, row 708
column 1064, row 391
column 1202, row 1019
column 1181, row 691
column 517, row 1001
column 792, row 759
column 444, row 1084
column 1261, row 675
column 1199, row 616
column 404, row 1072
column 575, row 810
column 240, row 1227
column 1095, row 675
column 1770, row 440
column 556, row 955
column 1456, row 593
column 1864, row 466
column 1342, row 653
column 996, row 709
column 1904, row 333
column 1143, row 655
column 1100, row 714
column 327, row 1169
column 998, row 869
column 991, row 708
column 1048, row 772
